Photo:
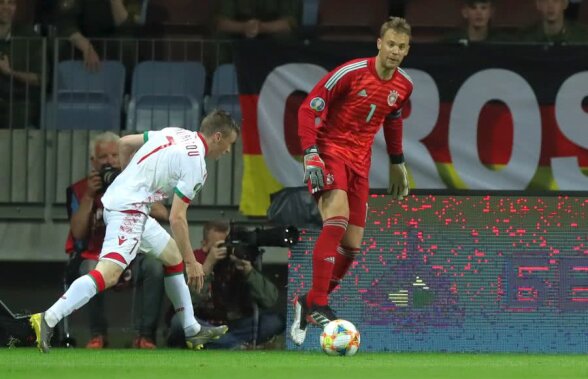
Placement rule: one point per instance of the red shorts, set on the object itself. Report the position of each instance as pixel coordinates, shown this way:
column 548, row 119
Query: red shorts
column 340, row 176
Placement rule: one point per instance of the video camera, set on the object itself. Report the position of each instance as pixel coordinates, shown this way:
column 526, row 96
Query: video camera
column 244, row 242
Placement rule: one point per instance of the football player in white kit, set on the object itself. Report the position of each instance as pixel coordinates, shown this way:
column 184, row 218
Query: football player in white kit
column 156, row 165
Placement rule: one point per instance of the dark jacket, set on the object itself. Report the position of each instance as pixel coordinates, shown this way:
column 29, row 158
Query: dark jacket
column 229, row 295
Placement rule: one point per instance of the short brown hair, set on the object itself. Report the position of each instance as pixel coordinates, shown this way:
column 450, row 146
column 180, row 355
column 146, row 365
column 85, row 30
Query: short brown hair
column 219, row 121
column 216, row 225
column 398, row 24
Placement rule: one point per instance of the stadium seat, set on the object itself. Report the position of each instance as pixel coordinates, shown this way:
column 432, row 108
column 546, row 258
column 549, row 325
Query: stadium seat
column 179, row 17
column 310, row 12
column 88, row 100
column 513, row 15
column 166, row 94
column 309, row 19
column 431, row 19
column 344, row 20
column 225, row 91
column 170, row 49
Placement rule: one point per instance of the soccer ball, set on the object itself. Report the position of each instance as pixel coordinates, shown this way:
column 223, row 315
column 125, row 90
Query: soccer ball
column 340, row 337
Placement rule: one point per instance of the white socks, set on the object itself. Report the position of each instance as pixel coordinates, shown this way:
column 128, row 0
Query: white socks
column 84, row 288
column 78, row 294
column 179, row 294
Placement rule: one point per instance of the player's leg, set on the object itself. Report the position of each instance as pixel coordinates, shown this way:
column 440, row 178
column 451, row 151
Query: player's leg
column 346, row 254
column 350, row 244
column 334, row 209
column 333, row 206
column 78, row 294
column 313, row 307
column 121, row 242
column 157, row 242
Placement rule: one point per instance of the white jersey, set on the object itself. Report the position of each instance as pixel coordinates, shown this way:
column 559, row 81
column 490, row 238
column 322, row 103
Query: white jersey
column 171, row 161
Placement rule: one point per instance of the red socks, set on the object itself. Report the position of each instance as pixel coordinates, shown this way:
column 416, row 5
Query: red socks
column 323, row 259
column 343, row 260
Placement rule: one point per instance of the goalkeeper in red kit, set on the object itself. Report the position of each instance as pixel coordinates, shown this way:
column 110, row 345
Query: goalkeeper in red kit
column 337, row 124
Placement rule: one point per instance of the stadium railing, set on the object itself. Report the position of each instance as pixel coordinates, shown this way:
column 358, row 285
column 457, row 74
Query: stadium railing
column 38, row 159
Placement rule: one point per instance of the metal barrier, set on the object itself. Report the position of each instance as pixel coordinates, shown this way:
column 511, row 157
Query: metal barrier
column 36, row 166
column 39, row 160
column 23, row 93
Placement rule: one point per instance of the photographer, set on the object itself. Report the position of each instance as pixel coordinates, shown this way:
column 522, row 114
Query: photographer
column 232, row 287
column 85, row 239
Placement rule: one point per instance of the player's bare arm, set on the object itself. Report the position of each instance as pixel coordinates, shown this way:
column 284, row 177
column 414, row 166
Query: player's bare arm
column 179, row 225
column 127, row 147
column 398, row 175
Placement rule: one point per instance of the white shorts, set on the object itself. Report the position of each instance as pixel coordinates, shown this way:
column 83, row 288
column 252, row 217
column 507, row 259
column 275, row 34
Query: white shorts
column 126, row 233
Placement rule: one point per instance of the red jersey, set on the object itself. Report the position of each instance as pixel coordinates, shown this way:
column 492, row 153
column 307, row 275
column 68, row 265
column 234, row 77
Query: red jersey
column 345, row 110
column 91, row 246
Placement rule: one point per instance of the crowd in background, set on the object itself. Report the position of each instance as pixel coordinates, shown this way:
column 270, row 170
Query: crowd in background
column 82, row 24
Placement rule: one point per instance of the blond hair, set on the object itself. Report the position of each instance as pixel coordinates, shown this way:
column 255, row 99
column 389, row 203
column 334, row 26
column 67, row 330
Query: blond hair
column 398, row 24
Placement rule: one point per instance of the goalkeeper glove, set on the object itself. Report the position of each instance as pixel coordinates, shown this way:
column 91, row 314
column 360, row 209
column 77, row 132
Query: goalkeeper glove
column 398, row 185
column 314, row 170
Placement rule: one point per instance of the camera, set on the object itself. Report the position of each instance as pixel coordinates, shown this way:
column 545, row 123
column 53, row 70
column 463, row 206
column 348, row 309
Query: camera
column 244, row 242
column 108, row 173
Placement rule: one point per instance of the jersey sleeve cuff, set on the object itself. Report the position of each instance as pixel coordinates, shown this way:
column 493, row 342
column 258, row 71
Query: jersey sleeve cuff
column 396, row 158
column 184, row 198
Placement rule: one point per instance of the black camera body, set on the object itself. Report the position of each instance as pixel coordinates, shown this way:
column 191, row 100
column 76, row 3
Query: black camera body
column 244, row 242
column 108, row 173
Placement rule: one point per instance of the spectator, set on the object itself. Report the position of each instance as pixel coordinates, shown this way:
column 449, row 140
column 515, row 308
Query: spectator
column 85, row 242
column 255, row 19
column 81, row 20
column 553, row 27
column 258, row 18
column 477, row 15
column 234, row 285
column 147, row 276
column 20, row 70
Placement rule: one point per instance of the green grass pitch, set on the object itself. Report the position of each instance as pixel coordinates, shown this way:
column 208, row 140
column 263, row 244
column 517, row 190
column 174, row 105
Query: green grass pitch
column 130, row 364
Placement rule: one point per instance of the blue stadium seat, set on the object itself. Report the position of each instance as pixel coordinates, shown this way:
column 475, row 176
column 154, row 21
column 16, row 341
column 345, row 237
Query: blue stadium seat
column 166, row 94
column 310, row 12
column 225, row 91
column 87, row 100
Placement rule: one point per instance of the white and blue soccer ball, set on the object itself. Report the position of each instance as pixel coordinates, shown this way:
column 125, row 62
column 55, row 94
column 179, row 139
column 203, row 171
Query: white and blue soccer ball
column 340, row 338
